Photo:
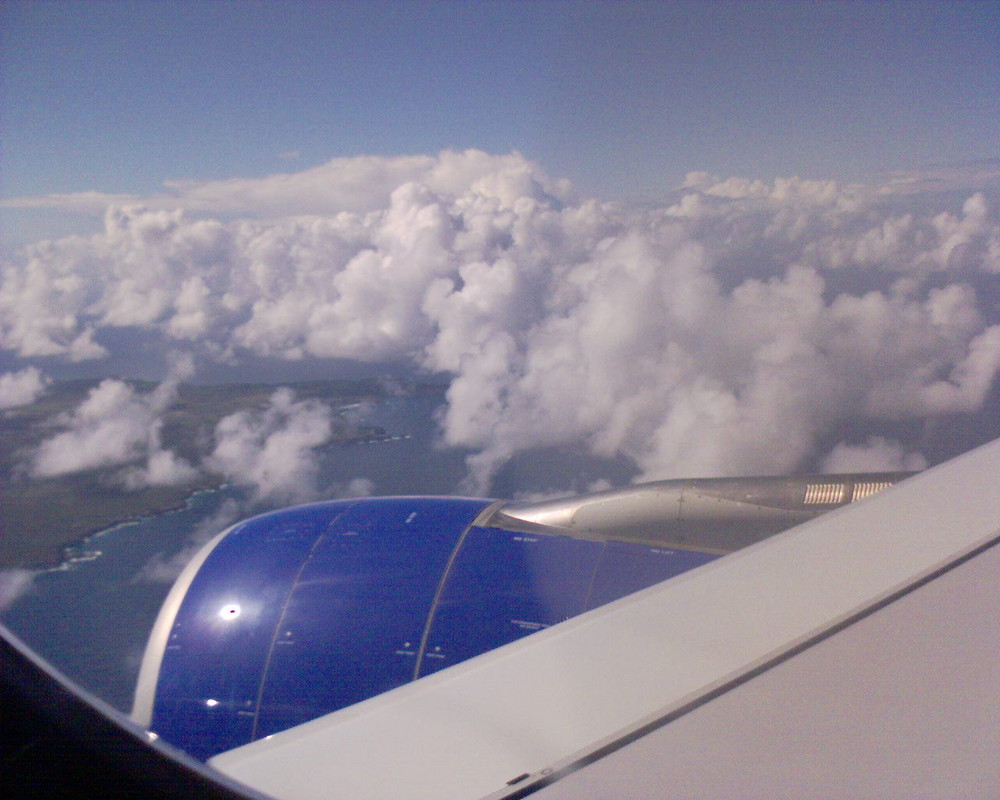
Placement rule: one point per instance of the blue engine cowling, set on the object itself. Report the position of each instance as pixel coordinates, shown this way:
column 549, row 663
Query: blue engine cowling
column 297, row 613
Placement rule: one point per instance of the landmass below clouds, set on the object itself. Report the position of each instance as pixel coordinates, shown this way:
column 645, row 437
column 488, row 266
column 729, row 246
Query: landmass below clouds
column 269, row 451
column 725, row 331
column 118, row 426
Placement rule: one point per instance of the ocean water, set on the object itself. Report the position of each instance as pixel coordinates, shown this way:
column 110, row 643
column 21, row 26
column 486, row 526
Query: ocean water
column 91, row 616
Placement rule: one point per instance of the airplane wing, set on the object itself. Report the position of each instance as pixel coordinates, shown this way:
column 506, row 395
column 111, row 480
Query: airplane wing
column 852, row 655
column 300, row 612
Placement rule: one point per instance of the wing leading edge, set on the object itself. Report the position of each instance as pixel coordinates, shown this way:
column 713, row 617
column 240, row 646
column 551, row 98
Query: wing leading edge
column 297, row 613
column 612, row 681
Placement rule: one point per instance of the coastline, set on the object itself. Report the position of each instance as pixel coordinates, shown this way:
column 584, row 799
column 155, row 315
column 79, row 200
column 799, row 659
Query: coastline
column 49, row 539
column 42, row 519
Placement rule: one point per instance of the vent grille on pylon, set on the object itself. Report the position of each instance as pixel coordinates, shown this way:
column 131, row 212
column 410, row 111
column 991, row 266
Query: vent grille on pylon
column 824, row 493
column 862, row 490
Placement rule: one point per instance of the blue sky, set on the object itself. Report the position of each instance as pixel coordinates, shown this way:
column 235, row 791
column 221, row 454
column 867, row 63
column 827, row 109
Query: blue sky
column 621, row 98
column 380, row 186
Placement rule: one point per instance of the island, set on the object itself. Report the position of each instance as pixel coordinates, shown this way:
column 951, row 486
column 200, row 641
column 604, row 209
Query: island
column 42, row 518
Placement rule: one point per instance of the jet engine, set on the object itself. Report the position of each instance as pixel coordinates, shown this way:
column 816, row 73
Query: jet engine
column 293, row 614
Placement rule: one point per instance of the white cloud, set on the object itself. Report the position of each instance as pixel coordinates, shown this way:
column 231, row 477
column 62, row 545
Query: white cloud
column 163, row 468
column 355, row 487
column 877, row 454
column 706, row 336
column 271, row 451
column 163, row 569
column 21, row 388
column 970, row 176
column 83, row 202
column 15, row 583
column 109, row 428
column 116, row 426
column 355, row 184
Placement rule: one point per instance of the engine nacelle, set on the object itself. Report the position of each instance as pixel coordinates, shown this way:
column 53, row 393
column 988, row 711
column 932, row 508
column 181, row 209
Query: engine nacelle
column 297, row 613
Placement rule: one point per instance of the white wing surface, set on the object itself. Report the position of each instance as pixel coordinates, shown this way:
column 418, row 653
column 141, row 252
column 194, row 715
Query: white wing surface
column 853, row 655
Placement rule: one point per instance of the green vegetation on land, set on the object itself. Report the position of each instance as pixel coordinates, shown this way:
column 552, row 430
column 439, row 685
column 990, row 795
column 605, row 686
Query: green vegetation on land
column 39, row 517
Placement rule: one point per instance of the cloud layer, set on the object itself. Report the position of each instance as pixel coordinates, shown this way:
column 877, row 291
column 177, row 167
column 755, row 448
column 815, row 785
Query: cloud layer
column 725, row 331
column 117, row 426
column 22, row 387
column 271, row 451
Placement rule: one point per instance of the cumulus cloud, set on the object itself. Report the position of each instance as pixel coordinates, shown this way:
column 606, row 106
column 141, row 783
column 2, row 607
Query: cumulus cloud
column 109, row 428
column 21, row 388
column 271, row 451
column 717, row 333
column 357, row 184
column 118, row 426
column 877, row 454
column 15, row 583
column 961, row 177
column 355, row 487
